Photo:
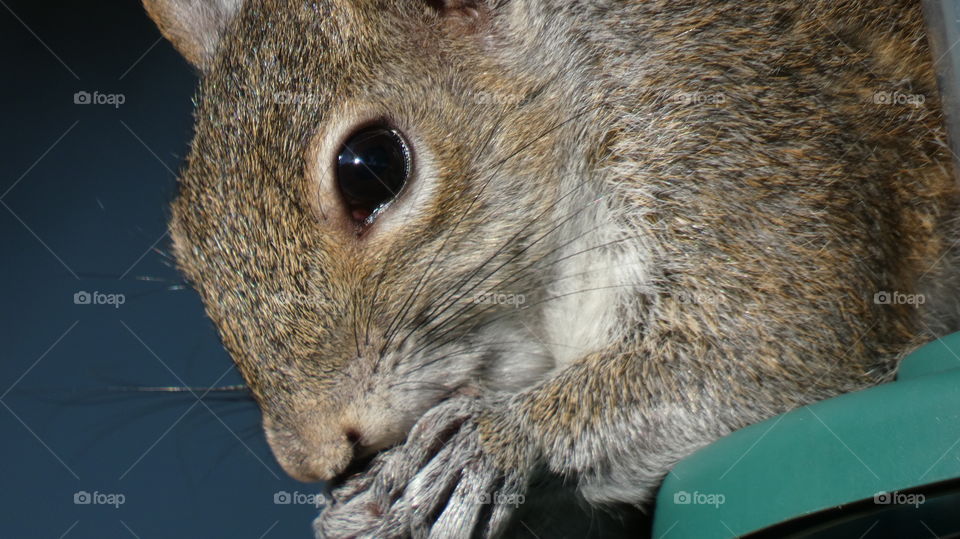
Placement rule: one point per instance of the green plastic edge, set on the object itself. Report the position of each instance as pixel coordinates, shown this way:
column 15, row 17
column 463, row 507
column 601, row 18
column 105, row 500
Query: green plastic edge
column 937, row 356
column 852, row 447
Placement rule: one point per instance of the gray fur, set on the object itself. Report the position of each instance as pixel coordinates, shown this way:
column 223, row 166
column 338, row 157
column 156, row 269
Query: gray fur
column 698, row 201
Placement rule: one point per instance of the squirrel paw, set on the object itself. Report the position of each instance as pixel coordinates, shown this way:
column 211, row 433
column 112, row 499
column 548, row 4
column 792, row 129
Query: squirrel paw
column 439, row 484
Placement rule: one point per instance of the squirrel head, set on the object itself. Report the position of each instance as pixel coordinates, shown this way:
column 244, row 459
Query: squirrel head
column 366, row 207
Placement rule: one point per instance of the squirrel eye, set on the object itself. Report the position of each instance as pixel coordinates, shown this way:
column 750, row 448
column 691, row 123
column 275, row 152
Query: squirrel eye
column 372, row 167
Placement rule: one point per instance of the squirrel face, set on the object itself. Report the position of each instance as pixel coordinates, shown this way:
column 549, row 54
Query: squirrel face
column 383, row 200
column 351, row 305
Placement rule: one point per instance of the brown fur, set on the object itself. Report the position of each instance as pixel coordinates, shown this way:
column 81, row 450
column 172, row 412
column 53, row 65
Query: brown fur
column 789, row 200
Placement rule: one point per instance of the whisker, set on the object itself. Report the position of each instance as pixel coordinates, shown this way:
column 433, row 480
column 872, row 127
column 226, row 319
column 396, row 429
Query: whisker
column 509, row 241
column 181, row 389
column 502, row 265
column 433, row 361
column 513, row 277
column 441, row 301
column 492, row 174
column 421, row 384
column 401, row 313
column 439, row 342
column 530, row 98
column 353, row 310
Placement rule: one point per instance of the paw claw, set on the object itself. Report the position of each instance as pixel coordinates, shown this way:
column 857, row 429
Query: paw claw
column 439, row 484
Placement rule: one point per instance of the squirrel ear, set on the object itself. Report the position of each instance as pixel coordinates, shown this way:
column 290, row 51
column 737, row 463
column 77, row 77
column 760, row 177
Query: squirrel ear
column 194, row 27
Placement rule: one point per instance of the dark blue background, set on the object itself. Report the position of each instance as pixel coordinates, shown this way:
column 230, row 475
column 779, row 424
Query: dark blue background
column 84, row 192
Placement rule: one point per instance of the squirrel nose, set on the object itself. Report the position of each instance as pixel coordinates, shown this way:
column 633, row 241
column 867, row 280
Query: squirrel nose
column 355, row 439
column 311, row 457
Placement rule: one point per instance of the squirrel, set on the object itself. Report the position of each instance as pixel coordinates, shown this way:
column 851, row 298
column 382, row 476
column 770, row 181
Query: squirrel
column 471, row 256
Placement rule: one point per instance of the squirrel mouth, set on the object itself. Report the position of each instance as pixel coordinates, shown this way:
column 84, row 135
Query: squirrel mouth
column 356, row 467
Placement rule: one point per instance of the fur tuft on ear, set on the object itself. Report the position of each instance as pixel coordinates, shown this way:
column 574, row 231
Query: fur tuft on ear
column 193, row 26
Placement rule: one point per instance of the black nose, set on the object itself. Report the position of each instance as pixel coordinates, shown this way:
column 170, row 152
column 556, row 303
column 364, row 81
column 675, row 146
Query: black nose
column 353, row 436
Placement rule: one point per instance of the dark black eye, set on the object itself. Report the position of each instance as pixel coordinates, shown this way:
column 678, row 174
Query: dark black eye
column 372, row 167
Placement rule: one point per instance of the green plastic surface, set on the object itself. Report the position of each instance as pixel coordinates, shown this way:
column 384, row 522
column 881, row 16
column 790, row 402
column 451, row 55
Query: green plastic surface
column 940, row 355
column 852, row 447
